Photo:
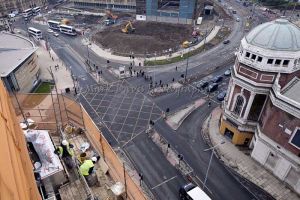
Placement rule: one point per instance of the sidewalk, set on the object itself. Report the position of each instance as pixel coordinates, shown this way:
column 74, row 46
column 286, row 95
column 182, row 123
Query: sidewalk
column 243, row 164
column 108, row 55
column 62, row 75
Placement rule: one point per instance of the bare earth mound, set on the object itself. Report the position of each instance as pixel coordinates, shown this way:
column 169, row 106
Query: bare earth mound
column 149, row 37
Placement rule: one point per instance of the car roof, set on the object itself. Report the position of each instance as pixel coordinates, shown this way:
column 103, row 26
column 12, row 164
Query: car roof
column 198, row 194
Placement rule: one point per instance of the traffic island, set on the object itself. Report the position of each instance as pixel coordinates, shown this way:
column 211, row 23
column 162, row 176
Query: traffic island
column 174, row 120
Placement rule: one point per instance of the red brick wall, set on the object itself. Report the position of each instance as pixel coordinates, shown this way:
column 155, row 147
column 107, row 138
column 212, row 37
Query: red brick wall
column 255, row 75
column 285, row 78
column 270, row 120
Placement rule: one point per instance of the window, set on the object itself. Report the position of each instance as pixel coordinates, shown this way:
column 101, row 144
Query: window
column 259, row 59
column 239, row 103
column 277, row 62
column 247, row 54
column 270, row 61
column 295, row 139
column 253, row 57
column 285, row 63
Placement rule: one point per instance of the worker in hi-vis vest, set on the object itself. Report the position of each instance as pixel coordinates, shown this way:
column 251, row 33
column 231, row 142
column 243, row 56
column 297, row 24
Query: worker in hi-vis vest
column 66, row 152
column 87, row 167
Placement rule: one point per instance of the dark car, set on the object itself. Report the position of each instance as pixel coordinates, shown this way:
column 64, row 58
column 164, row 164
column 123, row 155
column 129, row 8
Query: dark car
column 212, row 87
column 217, row 79
column 202, row 85
column 226, row 41
column 221, row 96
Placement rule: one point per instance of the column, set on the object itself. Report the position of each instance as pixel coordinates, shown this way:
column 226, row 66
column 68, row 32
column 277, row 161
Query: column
column 230, row 97
column 249, row 105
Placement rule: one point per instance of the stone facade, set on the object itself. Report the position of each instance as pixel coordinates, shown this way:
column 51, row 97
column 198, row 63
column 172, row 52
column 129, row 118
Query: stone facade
column 262, row 109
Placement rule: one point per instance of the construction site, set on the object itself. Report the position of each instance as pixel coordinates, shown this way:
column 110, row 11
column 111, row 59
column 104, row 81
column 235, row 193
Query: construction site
column 143, row 37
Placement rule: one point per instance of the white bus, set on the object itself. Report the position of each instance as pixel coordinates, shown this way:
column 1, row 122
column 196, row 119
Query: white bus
column 69, row 30
column 36, row 10
column 27, row 13
column 53, row 24
column 35, row 32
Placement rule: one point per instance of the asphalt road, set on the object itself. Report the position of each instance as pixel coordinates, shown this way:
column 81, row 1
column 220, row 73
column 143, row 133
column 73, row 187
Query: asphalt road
column 159, row 175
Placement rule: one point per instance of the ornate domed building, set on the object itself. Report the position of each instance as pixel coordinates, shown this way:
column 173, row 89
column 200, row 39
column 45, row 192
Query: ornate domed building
column 262, row 108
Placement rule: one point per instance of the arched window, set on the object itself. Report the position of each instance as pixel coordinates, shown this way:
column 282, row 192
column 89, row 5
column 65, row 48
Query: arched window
column 239, row 104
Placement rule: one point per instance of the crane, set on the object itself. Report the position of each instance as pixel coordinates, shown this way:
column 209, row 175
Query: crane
column 128, row 28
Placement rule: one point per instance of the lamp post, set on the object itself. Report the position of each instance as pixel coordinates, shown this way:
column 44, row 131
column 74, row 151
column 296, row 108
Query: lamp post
column 187, row 64
column 211, row 156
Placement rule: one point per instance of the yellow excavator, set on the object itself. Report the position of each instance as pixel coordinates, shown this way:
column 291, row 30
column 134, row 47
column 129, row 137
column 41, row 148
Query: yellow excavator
column 128, row 28
column 186, row 44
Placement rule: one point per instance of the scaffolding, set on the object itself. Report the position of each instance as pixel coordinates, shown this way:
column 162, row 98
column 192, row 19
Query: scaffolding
column 64, row 118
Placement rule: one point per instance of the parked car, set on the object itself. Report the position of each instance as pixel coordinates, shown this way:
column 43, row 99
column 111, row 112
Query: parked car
column 202, row 85
column 50, row 30
column 212, row 87
column 226, row 42
column 221, row 96
column 227, row 72
column 192, row 192
column 238, row 19
column 217, row 79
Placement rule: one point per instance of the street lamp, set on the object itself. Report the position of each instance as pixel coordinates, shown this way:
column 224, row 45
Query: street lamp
column 187, row 63
column 211, row 156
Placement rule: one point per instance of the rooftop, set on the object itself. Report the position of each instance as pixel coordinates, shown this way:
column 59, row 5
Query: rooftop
column 292, row 90
column 14, row 50
column 279, row 35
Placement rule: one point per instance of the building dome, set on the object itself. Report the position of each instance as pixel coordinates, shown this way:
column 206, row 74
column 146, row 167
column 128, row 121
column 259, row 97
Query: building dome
column 279, row 35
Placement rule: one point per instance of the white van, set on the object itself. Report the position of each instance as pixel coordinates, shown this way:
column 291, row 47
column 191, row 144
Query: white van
column 192, row 192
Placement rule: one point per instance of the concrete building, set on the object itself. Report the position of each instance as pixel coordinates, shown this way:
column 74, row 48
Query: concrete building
column 18, row 69
column 262, row 109
column 177, row 11
column 8, row 6
column 124, row 5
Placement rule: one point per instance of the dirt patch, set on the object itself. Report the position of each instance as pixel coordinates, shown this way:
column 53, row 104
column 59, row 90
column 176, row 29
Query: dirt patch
column 149, row 37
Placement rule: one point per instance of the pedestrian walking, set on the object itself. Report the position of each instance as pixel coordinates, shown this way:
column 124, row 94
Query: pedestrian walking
column 176, row 68
column 173, row 79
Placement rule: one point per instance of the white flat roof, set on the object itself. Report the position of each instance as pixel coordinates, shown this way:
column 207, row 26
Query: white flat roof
column 293, row 89
column 14, row 49
column 198, row 194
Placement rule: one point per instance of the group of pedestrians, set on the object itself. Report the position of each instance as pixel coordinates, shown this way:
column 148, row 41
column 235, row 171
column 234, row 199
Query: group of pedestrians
column 86, row 165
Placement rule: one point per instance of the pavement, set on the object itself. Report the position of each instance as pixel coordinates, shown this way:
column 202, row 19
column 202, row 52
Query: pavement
column 109, row 56
column 243, row 164
column 175, row 119
column 48, row 60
